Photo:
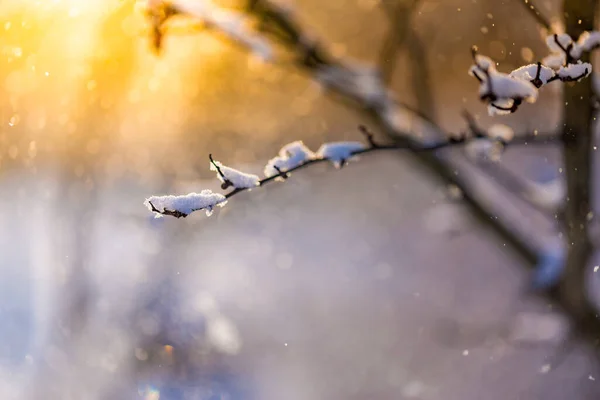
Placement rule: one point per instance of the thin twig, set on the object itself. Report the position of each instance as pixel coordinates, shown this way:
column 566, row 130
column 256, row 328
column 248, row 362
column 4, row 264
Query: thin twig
column 370, row 149
column 282, row 174
column 489, row 93
column 537, row 82
column 370, row 136
column 226, row 182
column 373, row 147
column 569, row 59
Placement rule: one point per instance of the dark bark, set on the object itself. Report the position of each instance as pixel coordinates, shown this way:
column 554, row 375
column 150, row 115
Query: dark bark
column 577, row 139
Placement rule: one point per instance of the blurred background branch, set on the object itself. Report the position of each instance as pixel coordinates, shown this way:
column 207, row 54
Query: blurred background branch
column 537, row 15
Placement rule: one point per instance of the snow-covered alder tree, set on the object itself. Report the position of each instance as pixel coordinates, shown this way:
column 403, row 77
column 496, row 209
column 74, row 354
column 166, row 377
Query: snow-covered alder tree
column 502, row 92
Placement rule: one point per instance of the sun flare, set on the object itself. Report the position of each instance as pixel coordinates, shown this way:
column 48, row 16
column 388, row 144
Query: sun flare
column 67, row 64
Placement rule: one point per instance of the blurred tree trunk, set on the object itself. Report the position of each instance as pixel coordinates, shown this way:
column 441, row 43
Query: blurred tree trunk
column 421, row 78
column 577, row 138
column 402, row 35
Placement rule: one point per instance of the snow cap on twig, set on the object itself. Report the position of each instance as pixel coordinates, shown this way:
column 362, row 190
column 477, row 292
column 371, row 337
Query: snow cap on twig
column 340, row 152
column 589, row 41
column 537, row 74
column 232, row 177
column 558, row 43
column 182, row 206
column 482, row 64
column 501, row 86
column 503, row 92
column 290, row 156
column 574, row 72
column 555, row 60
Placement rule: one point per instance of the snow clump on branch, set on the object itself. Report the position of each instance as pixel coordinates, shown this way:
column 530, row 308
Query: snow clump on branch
column 575, row 72
column 232, row 177
column 533, row 73
column 340, row 152
column 290, row 156
column 505, row 93
column 182, row 206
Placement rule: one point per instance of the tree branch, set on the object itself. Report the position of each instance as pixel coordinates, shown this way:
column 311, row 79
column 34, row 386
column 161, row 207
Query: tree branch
column 226, row 182
column 373, row 146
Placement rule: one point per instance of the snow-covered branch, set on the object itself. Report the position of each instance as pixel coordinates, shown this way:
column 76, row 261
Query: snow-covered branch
column 290, row 156
column 181, row 206
column 504, row 93
column 295, row 156
column 230, row 177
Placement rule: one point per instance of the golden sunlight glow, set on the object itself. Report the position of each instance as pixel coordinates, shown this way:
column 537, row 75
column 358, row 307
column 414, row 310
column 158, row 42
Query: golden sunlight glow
column 81, row 72
column 72, row 8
